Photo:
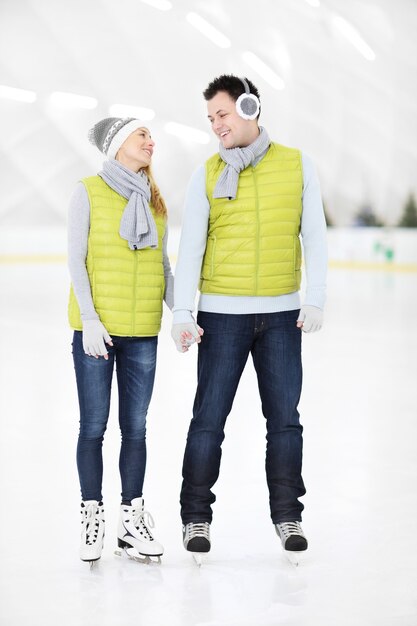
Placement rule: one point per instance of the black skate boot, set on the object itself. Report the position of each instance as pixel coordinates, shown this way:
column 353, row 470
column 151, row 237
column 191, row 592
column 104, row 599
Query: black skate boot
column 293, row 540
column 196, row 539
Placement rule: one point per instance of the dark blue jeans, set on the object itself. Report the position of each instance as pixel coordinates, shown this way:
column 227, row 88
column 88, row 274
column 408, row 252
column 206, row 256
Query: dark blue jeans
column 135, row 359
column 274, row 341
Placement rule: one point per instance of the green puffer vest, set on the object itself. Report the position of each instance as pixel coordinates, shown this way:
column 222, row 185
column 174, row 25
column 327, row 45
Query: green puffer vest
column 253, row 246
column 127, row 285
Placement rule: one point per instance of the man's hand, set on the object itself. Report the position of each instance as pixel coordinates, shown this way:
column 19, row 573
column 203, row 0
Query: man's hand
column 310, row 319
column 94, row 336
column 185, row 334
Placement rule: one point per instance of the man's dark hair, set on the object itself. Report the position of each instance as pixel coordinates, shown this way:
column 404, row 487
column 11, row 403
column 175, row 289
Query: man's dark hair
column 230, row 84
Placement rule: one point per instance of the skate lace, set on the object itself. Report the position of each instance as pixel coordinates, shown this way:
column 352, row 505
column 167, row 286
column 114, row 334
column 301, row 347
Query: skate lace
column 201, row 529
column 91, row 518
column 145, row 520
column 291, row 528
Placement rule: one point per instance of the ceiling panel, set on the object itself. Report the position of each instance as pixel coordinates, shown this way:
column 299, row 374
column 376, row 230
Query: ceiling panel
column 356, row 118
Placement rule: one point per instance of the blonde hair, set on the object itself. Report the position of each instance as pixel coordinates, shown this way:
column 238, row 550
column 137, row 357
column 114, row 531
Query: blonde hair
column 157, row 200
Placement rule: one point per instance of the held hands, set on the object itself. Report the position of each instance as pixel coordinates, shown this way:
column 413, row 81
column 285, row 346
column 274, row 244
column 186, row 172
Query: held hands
column 310, row 318
column 94, row 336
column 185, row 334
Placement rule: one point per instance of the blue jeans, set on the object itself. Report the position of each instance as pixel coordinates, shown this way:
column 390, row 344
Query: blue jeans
column 274, row 341
column 135, row 359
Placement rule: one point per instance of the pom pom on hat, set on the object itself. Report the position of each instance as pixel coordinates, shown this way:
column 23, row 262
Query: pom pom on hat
column 109, row 134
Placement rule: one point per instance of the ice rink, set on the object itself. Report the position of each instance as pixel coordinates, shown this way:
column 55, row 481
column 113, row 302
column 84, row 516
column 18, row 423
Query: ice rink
column 359, row 415
column 336, row 81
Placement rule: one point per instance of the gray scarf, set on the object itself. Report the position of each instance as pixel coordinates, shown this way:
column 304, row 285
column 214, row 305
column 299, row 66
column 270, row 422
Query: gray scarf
column 137, row 225
column 237, row 159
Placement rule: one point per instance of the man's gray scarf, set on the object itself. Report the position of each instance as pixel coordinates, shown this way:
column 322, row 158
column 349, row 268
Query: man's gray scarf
column 137, row 224
column 237, row 159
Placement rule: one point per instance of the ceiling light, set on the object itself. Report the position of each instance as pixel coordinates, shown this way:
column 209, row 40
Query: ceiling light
column 353, row 36
column 19, row 95
column 263, row 70
column 187, row 132
column 208, row 30
column 126, row 110
column 162, row 5
column 72, row 100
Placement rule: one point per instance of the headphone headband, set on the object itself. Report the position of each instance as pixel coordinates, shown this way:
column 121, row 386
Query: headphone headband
column 245, row 84
column 247, row 105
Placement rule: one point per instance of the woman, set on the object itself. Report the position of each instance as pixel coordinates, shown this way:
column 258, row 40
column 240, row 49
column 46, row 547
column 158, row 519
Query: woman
column 120, row 275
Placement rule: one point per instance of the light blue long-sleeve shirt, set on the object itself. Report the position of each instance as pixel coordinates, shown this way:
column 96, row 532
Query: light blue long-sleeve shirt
column 193, row 245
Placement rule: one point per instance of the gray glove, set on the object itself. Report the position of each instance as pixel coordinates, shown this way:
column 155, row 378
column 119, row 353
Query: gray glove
column 94, row 336
column 310, row 318
column 185, row 334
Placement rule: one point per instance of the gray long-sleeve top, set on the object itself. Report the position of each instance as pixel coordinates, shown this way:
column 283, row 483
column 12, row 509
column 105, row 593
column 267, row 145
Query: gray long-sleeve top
column 78, row 230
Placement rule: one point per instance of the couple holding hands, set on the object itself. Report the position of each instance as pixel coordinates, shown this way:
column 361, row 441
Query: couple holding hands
column 245, row 211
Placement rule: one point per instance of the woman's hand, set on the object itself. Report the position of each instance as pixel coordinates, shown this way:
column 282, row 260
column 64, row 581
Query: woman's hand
column 184, row 335
column 94, row 336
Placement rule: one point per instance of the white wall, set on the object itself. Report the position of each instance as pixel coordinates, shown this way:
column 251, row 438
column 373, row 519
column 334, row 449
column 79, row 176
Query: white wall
column 368, row 245
column 397, row 245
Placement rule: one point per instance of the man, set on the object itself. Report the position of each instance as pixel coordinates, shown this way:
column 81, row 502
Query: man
column 244, row 212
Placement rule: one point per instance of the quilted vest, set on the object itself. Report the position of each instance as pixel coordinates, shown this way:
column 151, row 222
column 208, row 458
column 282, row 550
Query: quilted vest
column 127, row 285
column 253, row 246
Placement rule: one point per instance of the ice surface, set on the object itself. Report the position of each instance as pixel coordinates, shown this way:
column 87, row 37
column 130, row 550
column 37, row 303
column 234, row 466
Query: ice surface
column 359, row 414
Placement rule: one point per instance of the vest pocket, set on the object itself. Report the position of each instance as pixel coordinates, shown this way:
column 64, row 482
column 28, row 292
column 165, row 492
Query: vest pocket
column 92, row 278
column 297, row 254
column 209, row 255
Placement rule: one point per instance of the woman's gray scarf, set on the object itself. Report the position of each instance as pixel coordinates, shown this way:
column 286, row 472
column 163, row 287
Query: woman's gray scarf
column 237, row 159
column 137, row 224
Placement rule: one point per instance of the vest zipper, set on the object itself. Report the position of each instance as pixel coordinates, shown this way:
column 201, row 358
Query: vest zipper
column 136, row 252
column 257, row 232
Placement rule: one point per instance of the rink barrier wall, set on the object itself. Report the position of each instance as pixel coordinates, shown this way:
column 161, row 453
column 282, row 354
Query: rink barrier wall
column 367, row 249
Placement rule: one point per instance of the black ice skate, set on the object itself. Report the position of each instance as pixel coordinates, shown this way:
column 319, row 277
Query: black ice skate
column 196, row 539
column 293, row 540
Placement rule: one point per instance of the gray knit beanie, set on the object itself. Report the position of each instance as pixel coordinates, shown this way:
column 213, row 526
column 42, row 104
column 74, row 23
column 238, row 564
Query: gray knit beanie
column 109, row 134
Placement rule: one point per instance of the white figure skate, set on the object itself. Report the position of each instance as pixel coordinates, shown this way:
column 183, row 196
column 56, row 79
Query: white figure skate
column 134, row 537
column 92, row 531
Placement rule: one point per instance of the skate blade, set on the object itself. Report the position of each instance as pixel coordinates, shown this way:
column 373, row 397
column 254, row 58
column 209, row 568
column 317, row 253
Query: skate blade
column 295, row 558
column 198, row 558
column 134, row 555
column 92, row 563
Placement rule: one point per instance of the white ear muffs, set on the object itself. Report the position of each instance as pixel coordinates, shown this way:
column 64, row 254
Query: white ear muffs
column 247, row 105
